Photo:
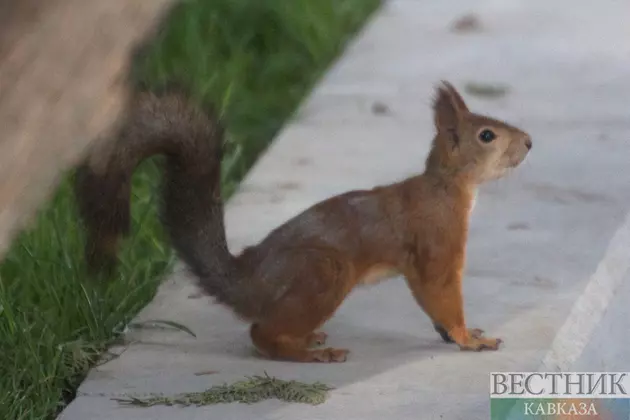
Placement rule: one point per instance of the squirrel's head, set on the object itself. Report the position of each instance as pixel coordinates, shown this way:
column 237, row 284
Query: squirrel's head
column 472, row 146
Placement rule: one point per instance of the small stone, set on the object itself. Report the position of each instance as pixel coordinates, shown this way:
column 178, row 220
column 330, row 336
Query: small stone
column 380, row 108
column 486, row 89
column 467, row 23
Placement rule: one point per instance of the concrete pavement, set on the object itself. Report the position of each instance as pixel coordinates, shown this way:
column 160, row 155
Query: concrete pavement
column 549, row 248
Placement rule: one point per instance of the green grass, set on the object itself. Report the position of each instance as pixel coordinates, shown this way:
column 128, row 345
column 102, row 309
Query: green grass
column 256, row 60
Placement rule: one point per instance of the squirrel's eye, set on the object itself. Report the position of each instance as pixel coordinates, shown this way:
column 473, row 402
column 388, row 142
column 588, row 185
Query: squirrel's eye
column 487, row 136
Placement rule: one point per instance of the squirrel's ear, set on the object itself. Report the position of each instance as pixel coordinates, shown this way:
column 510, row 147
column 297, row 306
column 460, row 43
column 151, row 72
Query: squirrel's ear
column 457, row 98
column 447, row 109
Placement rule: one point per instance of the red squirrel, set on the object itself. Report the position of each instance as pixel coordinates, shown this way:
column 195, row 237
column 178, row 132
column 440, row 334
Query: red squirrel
column 293, row 281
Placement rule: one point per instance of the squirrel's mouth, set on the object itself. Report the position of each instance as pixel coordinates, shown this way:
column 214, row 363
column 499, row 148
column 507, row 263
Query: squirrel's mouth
column 515, row 160
column 514, row 163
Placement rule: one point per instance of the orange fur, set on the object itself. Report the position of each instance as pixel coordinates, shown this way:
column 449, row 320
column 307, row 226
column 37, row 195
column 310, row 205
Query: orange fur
column 293, row 281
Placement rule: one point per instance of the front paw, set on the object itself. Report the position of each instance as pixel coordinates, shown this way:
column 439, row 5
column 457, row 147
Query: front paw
column 443, row 333
column 472, row 332
column 480, row 344
column 475, row 333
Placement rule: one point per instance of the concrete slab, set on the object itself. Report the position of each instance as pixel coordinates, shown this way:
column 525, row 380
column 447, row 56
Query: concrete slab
column 546, row 244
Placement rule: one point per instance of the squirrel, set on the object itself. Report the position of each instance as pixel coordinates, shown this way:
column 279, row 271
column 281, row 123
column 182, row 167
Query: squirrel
column 288, row 285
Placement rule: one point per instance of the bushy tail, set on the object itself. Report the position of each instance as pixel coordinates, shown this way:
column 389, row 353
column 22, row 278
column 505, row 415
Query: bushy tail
column 192, row 212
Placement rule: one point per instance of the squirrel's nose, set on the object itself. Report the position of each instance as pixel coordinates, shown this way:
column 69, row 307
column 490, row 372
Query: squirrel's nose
column 528, row 142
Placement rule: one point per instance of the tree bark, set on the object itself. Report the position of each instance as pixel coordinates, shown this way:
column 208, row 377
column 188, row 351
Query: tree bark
column 63, row 83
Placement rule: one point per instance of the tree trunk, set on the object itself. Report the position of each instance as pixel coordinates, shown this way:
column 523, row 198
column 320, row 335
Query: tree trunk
column 63, row 82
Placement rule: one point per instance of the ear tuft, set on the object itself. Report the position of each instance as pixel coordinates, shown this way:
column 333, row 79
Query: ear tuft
column 456, row 97
column 446, row 110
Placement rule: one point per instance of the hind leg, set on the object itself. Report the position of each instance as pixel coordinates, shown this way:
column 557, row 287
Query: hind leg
column 317, row 338
column 289, row 329
column 296, row 349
